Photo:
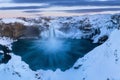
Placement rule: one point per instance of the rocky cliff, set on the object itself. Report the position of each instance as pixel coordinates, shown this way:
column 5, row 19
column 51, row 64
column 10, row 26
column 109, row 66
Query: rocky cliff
column 94, row 27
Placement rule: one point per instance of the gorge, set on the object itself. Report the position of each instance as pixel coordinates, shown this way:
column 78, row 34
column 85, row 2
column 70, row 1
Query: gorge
column 53, row 48
column 52, row 53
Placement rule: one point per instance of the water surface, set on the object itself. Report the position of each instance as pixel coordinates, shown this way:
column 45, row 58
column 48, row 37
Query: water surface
column 52, row 53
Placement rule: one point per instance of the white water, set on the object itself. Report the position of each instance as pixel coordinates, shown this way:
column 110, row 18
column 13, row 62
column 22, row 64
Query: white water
column 52, row 44
column 51, row 31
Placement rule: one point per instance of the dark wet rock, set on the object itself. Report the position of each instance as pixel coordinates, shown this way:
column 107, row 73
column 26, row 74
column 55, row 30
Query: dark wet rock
column 31, row 32
column 85, row 26
column 6, row 58
column 116, row 20
column 103, row 39
column 6, row 55
column 65, row 27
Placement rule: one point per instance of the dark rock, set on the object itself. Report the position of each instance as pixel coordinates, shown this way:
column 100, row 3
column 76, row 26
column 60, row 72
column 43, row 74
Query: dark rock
column 77, row 67
column 108, row 79
column 6, row 55
column 103, row 39
column 115, row 19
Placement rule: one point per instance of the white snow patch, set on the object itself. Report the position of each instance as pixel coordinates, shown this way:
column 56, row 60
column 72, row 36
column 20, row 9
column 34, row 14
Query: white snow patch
column 13, row 20
column 6, row 41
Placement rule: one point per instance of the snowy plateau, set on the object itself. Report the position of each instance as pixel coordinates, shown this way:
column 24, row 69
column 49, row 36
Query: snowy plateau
column 102, row 63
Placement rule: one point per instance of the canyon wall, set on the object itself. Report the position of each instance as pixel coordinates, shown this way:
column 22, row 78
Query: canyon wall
column 93, row 27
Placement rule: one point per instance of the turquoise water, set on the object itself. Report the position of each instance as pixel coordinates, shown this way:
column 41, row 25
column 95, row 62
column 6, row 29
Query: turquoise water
column 51, row 54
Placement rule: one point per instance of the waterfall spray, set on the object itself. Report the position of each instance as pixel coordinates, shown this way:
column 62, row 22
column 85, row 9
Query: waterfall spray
column 52, row 32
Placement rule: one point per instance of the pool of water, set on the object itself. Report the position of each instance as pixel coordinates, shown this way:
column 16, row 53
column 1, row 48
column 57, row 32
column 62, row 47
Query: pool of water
column 53, row 53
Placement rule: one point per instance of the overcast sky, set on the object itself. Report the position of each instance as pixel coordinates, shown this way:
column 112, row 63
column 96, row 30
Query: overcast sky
column 40, row 7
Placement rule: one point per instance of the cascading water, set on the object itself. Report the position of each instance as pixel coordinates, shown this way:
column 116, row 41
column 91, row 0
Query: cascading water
column 51, row 53
column 52, row 44
column 51, row 31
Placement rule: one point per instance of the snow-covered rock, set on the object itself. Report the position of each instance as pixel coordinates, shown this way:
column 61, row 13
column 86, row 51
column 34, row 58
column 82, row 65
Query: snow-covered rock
column 13, row 20
column 92, row 27
column 6, row 41
column 16, row 69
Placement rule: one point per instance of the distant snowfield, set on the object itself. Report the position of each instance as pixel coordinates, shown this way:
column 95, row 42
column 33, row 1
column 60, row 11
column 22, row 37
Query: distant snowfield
column 18, row 13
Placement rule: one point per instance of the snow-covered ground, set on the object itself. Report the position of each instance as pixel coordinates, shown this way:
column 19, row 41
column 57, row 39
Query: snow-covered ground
column 102, row 63
column 15, row 69
column 13, row 20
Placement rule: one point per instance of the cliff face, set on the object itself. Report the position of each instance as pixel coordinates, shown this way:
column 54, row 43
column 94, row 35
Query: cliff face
column 18, row 30
column 94, row 27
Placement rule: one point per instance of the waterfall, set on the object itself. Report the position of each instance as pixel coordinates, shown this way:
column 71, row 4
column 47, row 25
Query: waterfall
column 51, row 31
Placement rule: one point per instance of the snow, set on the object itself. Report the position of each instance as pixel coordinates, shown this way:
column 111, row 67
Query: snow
column 1, row 51
column 73, row 24
column 101, row 22
column 16, row 69
column 102, row 63
column 6, row 41
column 13, row 20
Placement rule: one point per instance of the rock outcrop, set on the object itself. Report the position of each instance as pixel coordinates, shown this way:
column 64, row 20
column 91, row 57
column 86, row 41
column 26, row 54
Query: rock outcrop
column 18, row 30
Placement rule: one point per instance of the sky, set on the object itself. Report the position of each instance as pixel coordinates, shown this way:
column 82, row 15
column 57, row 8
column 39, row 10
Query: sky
column 30, row 8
